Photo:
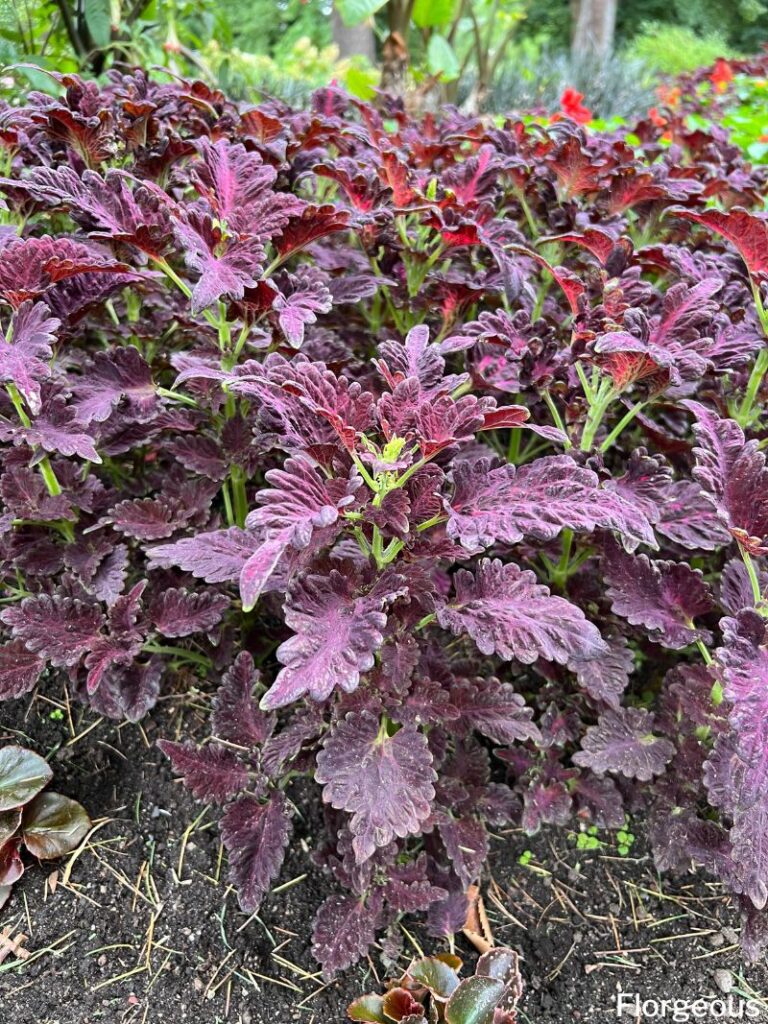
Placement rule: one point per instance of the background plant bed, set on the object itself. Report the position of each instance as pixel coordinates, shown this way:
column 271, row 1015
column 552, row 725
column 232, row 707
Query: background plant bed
column 132, row 938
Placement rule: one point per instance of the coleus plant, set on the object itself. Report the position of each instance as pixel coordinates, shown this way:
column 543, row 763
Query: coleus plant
column 431, row 990
column 434, row 447
column 46, row 824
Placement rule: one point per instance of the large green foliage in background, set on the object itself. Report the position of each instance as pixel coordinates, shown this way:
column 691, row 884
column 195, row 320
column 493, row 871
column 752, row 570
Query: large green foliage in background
column 489, row 54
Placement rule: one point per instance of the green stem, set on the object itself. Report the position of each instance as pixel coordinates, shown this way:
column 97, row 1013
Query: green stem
column 587, row 387
column 422, row 623
column 744, row 414
column 623, row 422
column 406, row 476
column 377, row 547
column 364, row 472
column 428, row 523
column 228, row 509
column 175, row 396
column 46, row 469
column 237, row 480
column 392, row 550
column 605, row 395
column 555, row 414
column 560, row 572
column 704, row 652
column 754, row 579
column 179, row 652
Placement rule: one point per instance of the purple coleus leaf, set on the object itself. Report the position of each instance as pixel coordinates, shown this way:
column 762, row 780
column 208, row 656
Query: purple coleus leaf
column 538, row 500
column 255, row 835
column 217, row 556
column 734, row 474
column 60, row 629
column 25, row 348
column 230, row 178
column 118, row 377
column 466, row 843
column 745, row 231
column 129, row 691
column 623, row 742
column 30, row 266
column 149, row 518
column 737, row 772
column 298, row 503
column 344, row 930
column 180, row 612
column 605, row 678
column 507, row 612
column 384, row 782
column 297, row 304
column 494, row 709
column 665, row 597
column 688, row 517
column 545, row 802
column 236, row 716
column 55, row 430
column 337, row 633
column 20, row 669
column 209, row 772
column 107, row 206
column 226, row 267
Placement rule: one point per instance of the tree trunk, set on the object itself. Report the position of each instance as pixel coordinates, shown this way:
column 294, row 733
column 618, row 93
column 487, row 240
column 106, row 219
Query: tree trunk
column 353, row 40
column 593, row 26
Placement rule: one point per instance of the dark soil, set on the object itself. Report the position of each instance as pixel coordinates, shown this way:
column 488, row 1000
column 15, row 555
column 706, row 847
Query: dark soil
column 145, row 930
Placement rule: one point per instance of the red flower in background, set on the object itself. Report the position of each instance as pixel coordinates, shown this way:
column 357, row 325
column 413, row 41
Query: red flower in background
column 571, row 106
column 669, row 95
column 721, row 75
column 658, row 119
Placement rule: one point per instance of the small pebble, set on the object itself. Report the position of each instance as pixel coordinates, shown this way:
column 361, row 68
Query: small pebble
column 723, row 980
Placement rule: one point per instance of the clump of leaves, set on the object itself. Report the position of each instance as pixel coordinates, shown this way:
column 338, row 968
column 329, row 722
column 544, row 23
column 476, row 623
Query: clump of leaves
column 434, row 447
column 431, row 990
column 46, row 824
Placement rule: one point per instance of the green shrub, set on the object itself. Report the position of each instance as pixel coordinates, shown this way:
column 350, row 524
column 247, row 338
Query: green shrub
column 673, row 49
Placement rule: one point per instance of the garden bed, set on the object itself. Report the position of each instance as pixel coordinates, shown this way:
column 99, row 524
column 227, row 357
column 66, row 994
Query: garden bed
column 132, row 938
column 400, row 485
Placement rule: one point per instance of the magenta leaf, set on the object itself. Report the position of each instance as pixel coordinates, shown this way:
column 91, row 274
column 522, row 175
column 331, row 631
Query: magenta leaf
column 466, row 843
column 745, row 231
column 344, row 930
column 255, row 836
column 385, row 782
column 605, row 678
column 236, row 716
column 60, row 629
column 180, row 612
column 538, row 500
column 298, row 503
column 216, row 557
column 337, row 634
column 623, row 742
column 119, row 377
column 494, row 709
column 665, row 597
column 298, row 304
column 733, row 472
column 209, row 772
column 225, row 268
column 20, row 669
column 25, row 349
column 507, row 612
